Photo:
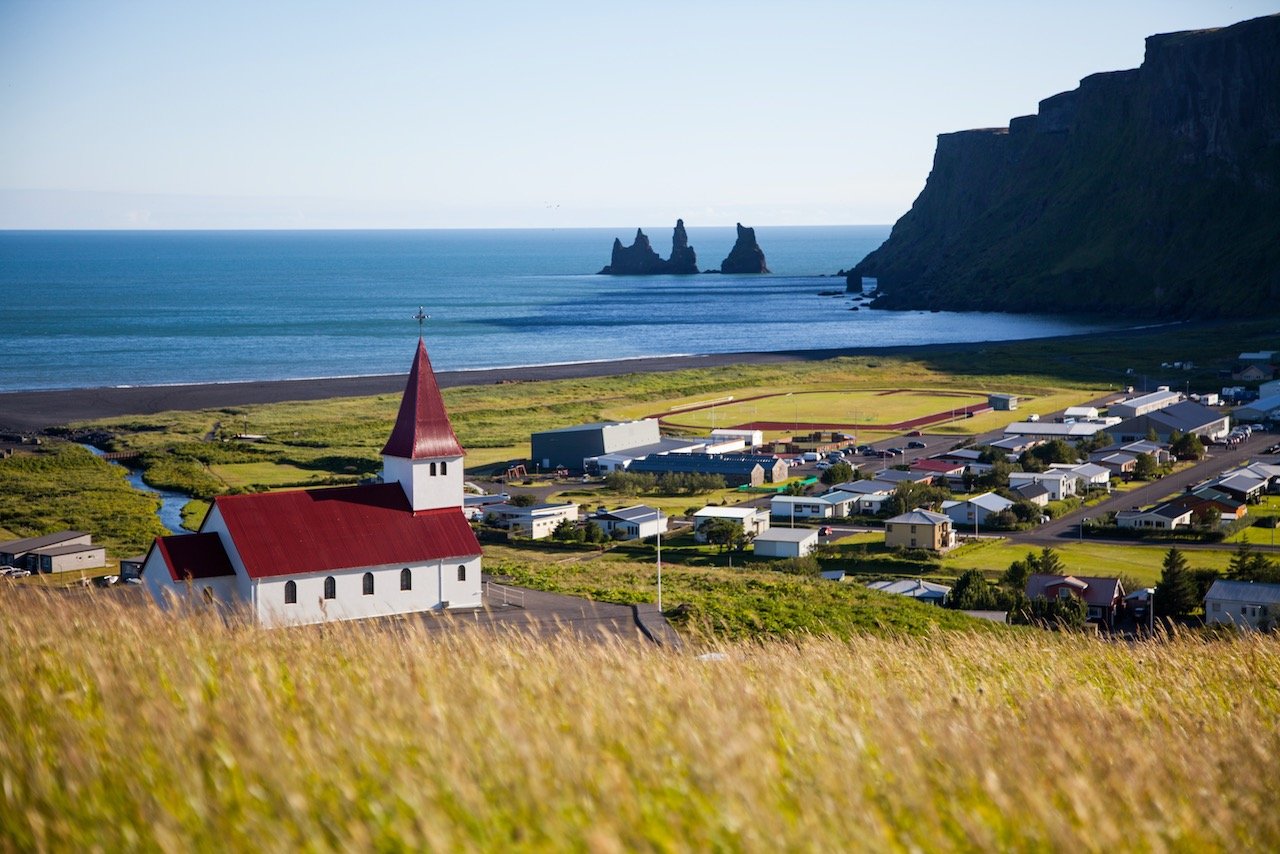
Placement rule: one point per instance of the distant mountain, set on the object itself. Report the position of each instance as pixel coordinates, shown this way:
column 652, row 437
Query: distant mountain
column 1153, row 192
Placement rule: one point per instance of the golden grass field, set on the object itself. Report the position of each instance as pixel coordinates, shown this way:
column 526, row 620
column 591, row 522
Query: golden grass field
column 126, row 729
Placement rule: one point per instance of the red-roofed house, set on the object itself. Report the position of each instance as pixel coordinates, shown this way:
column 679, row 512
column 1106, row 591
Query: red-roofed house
column 307, row 556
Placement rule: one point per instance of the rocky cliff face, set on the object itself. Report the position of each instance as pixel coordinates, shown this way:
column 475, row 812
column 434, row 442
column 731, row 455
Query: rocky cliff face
column 746, row 256
column 639, row 259
column 1154, row 192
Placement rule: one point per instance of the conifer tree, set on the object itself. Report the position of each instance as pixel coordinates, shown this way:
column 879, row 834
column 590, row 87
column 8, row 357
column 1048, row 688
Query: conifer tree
column 1176, row 592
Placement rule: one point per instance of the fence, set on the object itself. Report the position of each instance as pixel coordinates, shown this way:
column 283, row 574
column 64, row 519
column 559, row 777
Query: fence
column 500, row 595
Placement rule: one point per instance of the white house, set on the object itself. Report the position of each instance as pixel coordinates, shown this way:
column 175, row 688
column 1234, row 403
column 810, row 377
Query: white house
column 1247, row 604
column 637, row 522
column 975, row 510
column 754, row 520
column 800, row 507
column 313, row 555
column 536, row 521
column 1060, row 484
column 1165, row 517
column 1080, row 413
column 1091, row 475
column 786, row 542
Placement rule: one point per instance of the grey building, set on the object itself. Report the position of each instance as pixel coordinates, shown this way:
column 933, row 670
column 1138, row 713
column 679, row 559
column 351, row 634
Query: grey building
column 1135, row 406
column 1185, row 417
column 735, row 470
column 1248, row 604
column 569, row 446
column 24, row 553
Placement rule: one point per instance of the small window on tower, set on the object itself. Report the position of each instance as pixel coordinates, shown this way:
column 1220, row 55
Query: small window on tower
column 444, row 467
column 462, row 573
column 368, row 584
column 433, row 469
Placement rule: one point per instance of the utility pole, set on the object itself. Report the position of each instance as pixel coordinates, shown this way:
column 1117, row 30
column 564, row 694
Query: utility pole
column 659, row 570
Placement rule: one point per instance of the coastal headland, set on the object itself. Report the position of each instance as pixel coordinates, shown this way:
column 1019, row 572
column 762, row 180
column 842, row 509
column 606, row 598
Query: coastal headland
column 32, row 411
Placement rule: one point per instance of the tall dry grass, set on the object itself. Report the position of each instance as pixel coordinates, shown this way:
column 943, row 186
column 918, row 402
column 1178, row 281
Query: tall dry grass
column 127, row 729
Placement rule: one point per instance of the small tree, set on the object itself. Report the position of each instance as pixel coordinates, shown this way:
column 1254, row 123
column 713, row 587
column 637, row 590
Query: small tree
column 1144, row 467
column 1187, row 447
column 522, row 500
column 972, row 592
column 721, row 532
column 592, row 532
column 1176, row 592
column 568, row 532
column 838, row 473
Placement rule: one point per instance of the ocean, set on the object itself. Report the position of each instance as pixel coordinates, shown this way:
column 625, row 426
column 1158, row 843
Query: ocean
column 94, row 309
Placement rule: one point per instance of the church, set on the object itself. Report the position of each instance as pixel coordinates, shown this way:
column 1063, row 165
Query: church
column 339, row 553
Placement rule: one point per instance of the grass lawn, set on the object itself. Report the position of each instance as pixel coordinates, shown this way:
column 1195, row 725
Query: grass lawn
column 273, row 475
column 841, row 406
column 672, row 505
column 1140, row 563
column 1268, row 508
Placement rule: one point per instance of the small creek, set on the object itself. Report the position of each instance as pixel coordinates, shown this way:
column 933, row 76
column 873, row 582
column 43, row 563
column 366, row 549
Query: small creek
column 171, row 503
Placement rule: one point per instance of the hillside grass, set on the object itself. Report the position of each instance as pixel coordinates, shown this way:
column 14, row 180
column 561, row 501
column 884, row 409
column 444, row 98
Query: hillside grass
column 128, row 729
column 747, row 601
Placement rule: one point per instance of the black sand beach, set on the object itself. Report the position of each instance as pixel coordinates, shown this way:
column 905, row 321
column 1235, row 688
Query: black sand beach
column 31, row 411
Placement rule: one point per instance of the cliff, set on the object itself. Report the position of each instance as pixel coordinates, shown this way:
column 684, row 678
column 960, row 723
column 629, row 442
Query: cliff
column 639, row 259
column 746, row 256
column 1153, row 192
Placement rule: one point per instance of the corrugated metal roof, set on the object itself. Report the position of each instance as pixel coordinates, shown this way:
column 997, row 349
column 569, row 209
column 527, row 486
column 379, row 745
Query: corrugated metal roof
column 27, row 544
column 1244, row 591
column 318, row 530
column 194, row 556
column 920, row 516
column 422, row 426
column 1095, row 590
column 787, row 535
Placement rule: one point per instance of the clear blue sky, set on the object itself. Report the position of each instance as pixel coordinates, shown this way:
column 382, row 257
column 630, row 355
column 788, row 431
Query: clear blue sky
column 428, row 114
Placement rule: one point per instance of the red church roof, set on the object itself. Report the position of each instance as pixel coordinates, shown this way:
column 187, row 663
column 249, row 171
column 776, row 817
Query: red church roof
column 194, row 556
column 422, row 426
column 322, row 530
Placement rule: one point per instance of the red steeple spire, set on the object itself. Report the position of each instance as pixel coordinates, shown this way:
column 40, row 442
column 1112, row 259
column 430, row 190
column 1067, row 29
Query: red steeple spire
column 422, row 426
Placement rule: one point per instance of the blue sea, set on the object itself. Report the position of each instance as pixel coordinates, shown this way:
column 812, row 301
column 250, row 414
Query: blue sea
column 93, row 309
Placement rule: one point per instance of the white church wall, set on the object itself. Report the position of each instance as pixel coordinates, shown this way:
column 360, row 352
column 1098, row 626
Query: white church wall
column 214, row 524
column 424, row 489
column 433, row 583
column 198, row 592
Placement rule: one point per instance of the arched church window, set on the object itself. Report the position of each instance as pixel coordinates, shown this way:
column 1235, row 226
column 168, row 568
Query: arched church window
column 433, row 469
column 368, row 584
column 330, row 588
column 462, row 572
column 444, row 467
column 406, row 579
column 291, row 592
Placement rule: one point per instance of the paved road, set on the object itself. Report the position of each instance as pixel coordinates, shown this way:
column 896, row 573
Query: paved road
column 1218, row 461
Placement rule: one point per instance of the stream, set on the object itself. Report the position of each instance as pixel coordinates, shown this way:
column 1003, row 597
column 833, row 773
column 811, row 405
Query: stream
column 171, row 503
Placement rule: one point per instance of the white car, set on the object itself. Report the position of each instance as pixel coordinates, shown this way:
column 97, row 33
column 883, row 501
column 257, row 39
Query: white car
column 18, row 573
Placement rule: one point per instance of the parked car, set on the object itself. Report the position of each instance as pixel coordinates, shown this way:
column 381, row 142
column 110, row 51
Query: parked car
column 824, row 465
column 6, row 569
column 915, row 433
column 916, row 443
column 19, row 573
column 824, row 531
column 896, row 452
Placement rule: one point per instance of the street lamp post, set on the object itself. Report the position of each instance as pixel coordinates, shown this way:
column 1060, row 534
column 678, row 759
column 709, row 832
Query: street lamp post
column 659, row 571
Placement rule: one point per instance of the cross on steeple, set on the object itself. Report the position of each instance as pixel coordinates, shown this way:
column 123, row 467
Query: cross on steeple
column 422, row 317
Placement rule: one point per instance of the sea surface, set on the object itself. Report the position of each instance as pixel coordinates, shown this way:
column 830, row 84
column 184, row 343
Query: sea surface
column 94, row 309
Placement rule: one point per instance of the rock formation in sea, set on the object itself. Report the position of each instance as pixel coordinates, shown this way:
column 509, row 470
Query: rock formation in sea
column 639, row 259
column 746, row 256
column 1153, row 192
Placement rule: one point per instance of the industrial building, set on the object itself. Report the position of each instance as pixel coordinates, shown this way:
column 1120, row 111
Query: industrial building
column 1135, row 406
column 569, row 446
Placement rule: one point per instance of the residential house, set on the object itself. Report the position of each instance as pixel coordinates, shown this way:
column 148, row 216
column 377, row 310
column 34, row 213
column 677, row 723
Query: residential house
column 1061, row 484
column 1102, row 596
column 920, row 529
column 535, row 521
column 1241, row 484
column 914, row 588
column 1162, row 517
column 1247, row 604
column 1043, row 431
column 1091, row 475
column 968, row 512
column 896, row 476
column 1080, row 413
column 872, row 494
column 69, row 557
column 1253, row 373
column 786, row 542
column 800, row 507
column 1204, row 499
column 638, row 522
column 941, row 470
column 754, row 520
column 1036, row 493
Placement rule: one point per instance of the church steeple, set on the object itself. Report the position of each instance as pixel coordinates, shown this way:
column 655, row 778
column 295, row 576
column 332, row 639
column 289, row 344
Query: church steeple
column 423, row 455
column 422, row 428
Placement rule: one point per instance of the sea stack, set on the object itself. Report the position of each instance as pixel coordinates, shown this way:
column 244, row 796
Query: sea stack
column 746, row 256
column 639, row 259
